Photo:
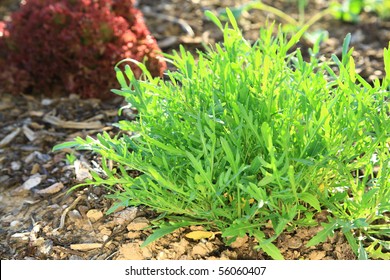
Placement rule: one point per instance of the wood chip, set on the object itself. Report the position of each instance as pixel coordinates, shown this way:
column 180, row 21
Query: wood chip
column 29, row 133
column 8, row 139
column 35, row 169
column 82, row 171
column 71, row 124
column 86, row 246
column 55, row 188
column 36, row 113
column 32, row 182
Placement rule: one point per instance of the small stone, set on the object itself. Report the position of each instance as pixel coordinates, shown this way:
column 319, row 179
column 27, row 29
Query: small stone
column 15, row 224
column 21, row 236
column 294, row 243
column 130, row 251
column 16, row 165
column 75, row 215
column 32, row 182
column 75, row 258
column 94, row 215
column 180, row 247
column 138, row 224
column 125, row 216
column 134, row 234
column 327, row 247
column 105, row 231
column 162, row 256
column 239, row 242
column 195, row 228
column 317, row 255
column 46, row 102
column 147, row 253
column 200, row 249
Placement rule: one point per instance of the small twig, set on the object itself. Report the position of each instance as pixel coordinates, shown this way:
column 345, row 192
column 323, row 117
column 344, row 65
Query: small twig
column 113, row 254
column 63, row 216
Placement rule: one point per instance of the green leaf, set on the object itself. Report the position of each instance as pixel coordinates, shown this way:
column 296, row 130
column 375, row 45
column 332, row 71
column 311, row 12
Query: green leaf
column 267, row 246
column 70, row 144
column 272, row 251
column 377, row 253
column 310, row 199
column 214, row 19
column 162, row 231
column 121, row 78
column 232, row 19
column 323, row 234
column 362, row 254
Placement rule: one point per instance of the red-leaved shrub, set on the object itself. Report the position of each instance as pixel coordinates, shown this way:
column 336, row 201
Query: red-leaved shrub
column 71, row 46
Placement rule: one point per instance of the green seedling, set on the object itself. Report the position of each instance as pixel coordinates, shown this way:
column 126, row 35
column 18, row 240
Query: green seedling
column 70, row 158
column 249, row 135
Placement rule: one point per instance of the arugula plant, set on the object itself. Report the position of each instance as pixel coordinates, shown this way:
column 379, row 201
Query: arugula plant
column 250, row 135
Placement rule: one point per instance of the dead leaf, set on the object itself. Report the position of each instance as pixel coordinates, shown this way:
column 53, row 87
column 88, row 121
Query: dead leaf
column 199, row 234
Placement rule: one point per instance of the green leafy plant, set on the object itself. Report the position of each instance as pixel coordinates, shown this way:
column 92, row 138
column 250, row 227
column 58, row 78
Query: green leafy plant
column 349, row 10
column 252, row 134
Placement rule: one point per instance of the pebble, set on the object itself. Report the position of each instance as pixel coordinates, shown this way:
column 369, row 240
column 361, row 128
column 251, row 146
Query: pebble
column 294, row 243
column 130, row 251
column 239, row 242
column 15, row 224
column 317, row 255
column 16, row 165
column 138, row 224
column 94, row 215
column 134, row 234
column 201, row 249
column 125, row 216
column 75, row 215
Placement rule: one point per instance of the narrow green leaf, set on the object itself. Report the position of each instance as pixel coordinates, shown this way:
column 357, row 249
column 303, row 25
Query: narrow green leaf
column 310, row 199
column 70, row 144
column 271, row 250
column 362, row 254
column 120, row 77
column 232, row 19
column 214, row 19
column 323, row 234
column 162, row 231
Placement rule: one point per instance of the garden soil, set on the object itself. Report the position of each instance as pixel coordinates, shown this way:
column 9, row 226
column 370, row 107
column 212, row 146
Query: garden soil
column 40, row 219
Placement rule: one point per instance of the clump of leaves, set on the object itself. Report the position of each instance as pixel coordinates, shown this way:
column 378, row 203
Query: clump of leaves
column 52, row 46
column 252, row 134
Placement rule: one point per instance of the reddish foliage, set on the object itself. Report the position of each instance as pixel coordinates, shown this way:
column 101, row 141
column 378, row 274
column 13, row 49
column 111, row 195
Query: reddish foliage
column 71, row 46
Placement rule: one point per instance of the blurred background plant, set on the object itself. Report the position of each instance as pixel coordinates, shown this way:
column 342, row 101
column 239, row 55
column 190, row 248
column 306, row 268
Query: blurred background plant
column 60, row 47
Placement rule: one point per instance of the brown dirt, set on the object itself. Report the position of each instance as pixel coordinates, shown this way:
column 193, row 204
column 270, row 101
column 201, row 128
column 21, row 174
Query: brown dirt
column 40, row 220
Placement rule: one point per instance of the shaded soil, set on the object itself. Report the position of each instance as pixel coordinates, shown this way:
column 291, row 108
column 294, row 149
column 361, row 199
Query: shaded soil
column 39, row 219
